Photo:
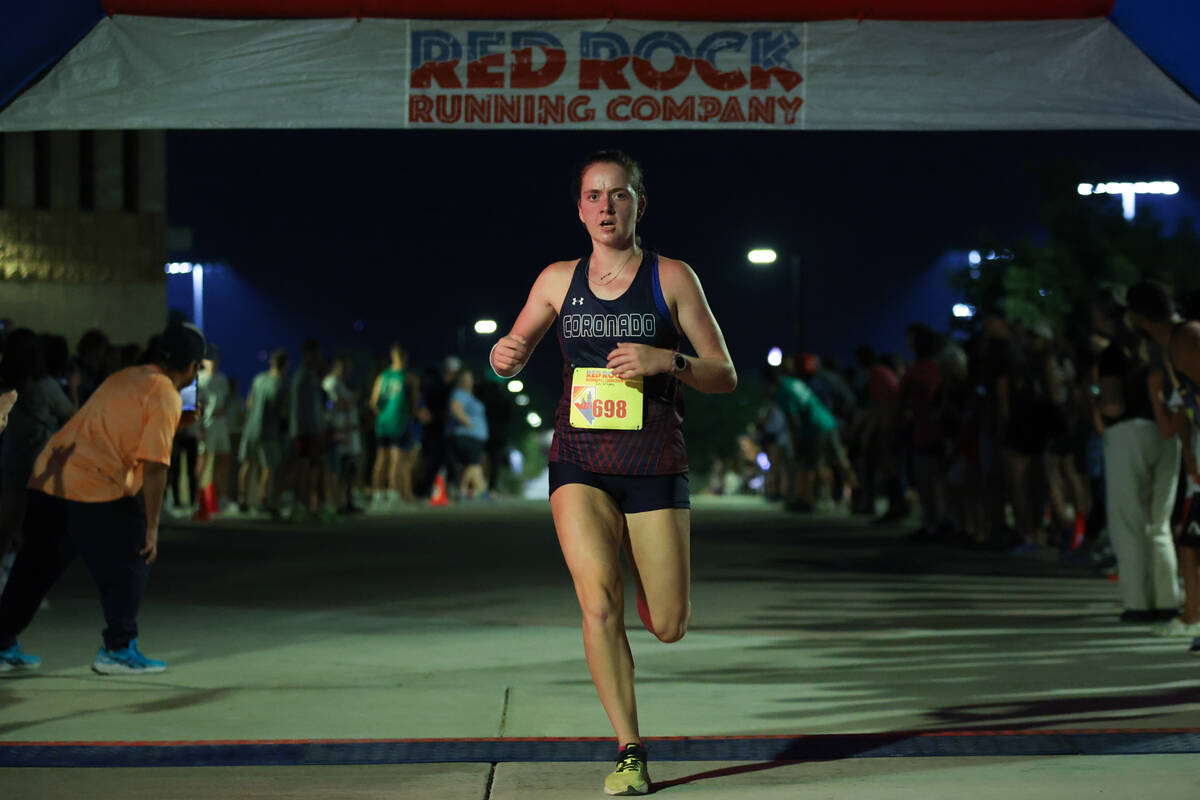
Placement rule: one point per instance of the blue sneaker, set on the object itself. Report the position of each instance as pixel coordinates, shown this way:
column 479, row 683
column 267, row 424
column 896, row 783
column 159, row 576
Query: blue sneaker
column 126, row 661
column 15, row 659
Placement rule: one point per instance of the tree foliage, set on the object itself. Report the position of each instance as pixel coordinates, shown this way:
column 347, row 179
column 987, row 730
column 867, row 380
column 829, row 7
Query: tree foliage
column 1085, row 244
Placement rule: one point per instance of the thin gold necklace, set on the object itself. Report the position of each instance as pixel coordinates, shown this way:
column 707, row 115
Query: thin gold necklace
column 602, row 282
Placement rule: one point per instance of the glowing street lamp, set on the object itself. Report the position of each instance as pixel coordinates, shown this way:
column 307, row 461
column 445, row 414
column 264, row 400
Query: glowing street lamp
column 485, row 326
column 534, row 419
column 762, row 256
column 775, row 357
column 516, row 387
column 1128, row 191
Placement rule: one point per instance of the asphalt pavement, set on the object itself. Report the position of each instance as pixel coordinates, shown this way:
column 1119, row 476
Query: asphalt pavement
column 437, row 654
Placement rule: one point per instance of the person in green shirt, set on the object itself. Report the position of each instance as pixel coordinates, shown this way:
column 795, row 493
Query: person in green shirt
column 397, row 438
column 814, row 434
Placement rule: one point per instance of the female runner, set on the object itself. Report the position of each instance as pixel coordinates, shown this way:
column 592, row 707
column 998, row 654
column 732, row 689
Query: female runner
column 618, row 465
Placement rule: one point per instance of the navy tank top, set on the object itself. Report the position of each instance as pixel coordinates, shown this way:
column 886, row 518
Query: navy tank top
column 588, row 330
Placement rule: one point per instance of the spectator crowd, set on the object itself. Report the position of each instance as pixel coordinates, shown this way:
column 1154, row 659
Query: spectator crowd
column 306, row 443
column 1003, row 435
column 1007, row 436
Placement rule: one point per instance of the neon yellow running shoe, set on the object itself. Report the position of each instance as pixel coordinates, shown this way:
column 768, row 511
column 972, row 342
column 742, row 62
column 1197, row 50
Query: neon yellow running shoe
column 631, row 777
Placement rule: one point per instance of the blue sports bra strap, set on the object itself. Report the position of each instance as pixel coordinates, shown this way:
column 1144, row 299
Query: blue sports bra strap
column 660, row 302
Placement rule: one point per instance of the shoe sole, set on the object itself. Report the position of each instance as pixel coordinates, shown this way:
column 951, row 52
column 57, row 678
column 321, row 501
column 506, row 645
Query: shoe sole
column 632, row 791
column 6, row 667
column 116, row 669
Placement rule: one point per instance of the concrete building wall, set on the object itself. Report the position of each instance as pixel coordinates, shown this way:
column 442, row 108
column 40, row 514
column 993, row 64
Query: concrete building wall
column 18, row 170
column 127, row 312
column 109, row 166
column 66, row 270
column 152, row 172
column 64, row 170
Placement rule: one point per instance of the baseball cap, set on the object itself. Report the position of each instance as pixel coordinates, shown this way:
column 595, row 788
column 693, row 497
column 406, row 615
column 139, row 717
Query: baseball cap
column 183, row 342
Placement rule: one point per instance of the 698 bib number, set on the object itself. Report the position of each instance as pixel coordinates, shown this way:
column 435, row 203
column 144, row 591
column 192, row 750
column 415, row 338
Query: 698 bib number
column 600, row 400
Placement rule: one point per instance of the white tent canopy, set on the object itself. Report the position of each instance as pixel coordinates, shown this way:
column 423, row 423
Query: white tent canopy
column 153, row 72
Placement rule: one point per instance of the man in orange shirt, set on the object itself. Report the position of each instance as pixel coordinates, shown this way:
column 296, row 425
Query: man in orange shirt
column 83, row 502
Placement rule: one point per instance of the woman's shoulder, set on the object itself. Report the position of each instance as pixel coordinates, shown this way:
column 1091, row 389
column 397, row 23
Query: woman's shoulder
column 674, row 272
column 556, row 276
column 557, row 270
column 673, row 266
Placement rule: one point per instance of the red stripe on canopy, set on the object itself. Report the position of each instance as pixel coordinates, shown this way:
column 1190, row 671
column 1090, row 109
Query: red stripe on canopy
column 750, row 10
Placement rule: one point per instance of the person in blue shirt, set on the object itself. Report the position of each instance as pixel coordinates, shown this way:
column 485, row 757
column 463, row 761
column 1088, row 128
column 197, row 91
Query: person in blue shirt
column 467, row 429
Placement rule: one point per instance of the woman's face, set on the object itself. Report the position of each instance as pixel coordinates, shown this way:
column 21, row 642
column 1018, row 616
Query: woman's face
column 608, row 205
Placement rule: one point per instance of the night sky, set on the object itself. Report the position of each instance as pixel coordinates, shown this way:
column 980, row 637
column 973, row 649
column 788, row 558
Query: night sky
column 417, row 234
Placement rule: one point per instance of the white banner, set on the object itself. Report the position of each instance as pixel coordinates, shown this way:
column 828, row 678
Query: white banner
column 143, row 72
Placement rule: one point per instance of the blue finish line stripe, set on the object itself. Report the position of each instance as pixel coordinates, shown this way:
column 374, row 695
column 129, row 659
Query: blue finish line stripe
column 798, row 748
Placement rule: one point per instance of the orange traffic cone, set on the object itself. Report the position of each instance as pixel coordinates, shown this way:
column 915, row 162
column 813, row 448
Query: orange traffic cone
column 1079, row 532
column 204, row 503
column 439, row 497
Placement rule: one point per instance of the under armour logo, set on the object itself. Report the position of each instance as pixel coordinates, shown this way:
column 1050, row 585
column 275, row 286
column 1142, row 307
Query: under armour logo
column 576, row 301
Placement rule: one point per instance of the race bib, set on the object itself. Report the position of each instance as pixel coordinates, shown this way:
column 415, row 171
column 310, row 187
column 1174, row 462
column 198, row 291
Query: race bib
column 602, row 401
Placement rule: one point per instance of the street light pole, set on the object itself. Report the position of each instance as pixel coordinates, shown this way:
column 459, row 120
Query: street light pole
column 765, row 256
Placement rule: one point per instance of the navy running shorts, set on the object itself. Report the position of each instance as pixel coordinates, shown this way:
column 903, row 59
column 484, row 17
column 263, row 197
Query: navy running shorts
column 405, row 441
column 467, row 450
column 633, row 494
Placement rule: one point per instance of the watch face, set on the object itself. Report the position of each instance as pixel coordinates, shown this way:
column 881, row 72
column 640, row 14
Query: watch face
column 680, row 362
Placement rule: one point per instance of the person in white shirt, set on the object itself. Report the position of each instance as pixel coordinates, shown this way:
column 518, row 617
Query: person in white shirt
column 346, row 437
column 212, row 465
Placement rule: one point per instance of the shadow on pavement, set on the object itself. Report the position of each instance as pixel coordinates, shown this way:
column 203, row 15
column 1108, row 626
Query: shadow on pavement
column 719, row 773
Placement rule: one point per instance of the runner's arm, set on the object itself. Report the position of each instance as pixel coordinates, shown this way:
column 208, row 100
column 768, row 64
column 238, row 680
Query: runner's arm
column 510, row 352
column 711, row 369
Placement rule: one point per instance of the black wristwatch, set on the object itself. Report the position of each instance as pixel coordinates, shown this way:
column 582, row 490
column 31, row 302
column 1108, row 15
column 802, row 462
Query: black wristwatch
column 679, row 363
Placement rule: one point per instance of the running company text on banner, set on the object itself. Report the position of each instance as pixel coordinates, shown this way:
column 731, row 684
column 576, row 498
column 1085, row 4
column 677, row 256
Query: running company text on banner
column 549, row 75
